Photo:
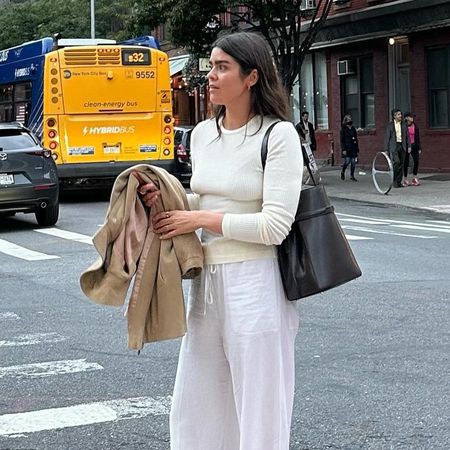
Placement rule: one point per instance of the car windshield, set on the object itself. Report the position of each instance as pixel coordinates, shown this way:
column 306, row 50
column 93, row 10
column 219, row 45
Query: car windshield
column 15, row 140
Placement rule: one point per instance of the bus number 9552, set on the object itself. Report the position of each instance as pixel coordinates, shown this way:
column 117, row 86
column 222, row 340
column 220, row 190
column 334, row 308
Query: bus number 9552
column 145, row 74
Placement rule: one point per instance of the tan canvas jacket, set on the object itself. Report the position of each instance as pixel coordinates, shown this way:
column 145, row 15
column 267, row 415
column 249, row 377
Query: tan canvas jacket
column 128, row 248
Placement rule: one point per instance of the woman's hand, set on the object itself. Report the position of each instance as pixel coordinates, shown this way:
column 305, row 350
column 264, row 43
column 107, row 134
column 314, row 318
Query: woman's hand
column 173, row 223
column 149, row 192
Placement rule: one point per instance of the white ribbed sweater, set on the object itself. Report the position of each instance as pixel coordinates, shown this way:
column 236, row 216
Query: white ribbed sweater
column 227, row 177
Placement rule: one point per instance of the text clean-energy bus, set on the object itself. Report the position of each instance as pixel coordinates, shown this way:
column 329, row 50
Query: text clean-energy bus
column 100, row 107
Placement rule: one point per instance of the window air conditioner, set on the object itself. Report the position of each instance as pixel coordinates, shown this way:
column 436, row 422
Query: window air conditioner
column 346, row 67
column 308, row 5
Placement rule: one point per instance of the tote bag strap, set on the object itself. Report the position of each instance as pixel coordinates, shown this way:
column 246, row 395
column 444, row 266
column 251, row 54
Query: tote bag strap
column 265, row 143
column 264, row 149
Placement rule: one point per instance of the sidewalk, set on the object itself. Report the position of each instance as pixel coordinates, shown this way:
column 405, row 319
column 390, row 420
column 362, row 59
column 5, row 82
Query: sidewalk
column 433, row 194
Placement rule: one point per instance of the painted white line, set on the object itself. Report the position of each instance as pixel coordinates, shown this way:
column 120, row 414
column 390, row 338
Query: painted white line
column 418, row 227
column 439, row 208
column 87, row 414
column 47, row 369
column 352, row 237
column 9, row 316
column 440, row 222
column 69, row 235
column 8, row 248
column 367, row 222
column 402, row 222
column 31, row 339
column 392, row 233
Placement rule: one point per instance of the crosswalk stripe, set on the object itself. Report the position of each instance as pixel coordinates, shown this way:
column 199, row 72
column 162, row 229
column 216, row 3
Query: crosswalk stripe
column 31, row 339
column 69, row 235
column 84, row 414
column 9, row 316
column 440, row 222
column 392, row 233
column 364, row 221
column 352, row 237
column 391, row 221
column 418, row 227
column 50, row 368
column 8, row 248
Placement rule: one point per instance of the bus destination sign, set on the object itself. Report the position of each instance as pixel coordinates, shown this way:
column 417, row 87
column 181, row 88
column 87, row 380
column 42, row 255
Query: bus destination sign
column 134, row 57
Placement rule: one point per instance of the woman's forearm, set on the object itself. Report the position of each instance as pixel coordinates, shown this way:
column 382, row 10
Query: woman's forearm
column 211, row 221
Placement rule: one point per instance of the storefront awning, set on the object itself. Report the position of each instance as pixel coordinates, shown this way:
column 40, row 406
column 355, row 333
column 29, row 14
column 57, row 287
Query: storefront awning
column 177, row 64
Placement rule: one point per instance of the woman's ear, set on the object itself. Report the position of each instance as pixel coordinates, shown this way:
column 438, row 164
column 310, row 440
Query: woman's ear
column 252, row 78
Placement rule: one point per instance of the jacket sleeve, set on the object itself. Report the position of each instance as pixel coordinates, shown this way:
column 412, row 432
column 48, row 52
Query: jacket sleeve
column 407, row 140
column 417, row 137
column 300, row 131
column 356, row 138
column 387, row 136
column 342, row 140
column 281, row 192
column 312, row 134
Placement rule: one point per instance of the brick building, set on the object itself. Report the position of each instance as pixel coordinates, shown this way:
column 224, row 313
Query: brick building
column 372, row 56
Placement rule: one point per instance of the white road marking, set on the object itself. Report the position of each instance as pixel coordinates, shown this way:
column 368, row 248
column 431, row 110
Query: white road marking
column 31, row 339
column 352, row 237
column 47, row 369
column 69, row 235
column 419, row 227
column 393, row 233
column 367, row 222
column 85, row 414
column 9, row 316
column 440, row 222
column 439, row 208
column 8, row 248
column 402, row 222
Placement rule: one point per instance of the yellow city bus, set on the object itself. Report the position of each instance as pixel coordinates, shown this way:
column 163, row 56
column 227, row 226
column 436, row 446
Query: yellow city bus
column 100, row 107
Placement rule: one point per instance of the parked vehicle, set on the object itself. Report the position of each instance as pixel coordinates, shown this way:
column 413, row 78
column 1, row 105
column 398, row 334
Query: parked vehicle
column 182, row 142
column 28, row 176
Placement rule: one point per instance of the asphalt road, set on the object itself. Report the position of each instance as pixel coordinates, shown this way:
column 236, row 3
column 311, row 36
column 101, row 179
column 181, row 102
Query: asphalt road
column 372, row 362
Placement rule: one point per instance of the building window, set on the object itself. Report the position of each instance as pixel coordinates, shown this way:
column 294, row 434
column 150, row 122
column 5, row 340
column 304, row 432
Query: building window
column 313, row 91
column 358, row 98
column 438, row 87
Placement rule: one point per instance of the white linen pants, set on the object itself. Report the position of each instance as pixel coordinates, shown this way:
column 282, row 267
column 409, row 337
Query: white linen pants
column 234, row 388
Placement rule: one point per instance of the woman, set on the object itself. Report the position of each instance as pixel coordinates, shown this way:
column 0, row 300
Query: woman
column 234, row 387
column 416, row 150
column 349, row 147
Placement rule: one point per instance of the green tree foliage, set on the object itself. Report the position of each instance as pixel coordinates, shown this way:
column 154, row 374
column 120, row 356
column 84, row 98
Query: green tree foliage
column 34, row 19
column 195, row 24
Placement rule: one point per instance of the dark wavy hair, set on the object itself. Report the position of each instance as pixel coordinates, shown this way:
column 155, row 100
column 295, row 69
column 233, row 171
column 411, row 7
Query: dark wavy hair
column 268, row 96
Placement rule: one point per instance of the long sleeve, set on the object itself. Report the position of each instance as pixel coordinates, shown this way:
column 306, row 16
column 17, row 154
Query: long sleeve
column 281, row 192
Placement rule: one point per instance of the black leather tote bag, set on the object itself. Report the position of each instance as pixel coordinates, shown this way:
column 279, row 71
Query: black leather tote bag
column 315, row 256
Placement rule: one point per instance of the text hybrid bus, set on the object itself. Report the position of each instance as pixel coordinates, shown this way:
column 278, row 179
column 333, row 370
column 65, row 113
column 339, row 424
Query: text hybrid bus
column 100, row 107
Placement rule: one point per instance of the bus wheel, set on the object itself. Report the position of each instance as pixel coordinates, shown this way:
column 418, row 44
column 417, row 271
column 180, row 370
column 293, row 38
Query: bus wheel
column 48, row 216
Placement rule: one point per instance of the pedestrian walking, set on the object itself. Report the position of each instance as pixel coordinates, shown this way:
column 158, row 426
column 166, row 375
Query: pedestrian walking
column 349, row 147
column 305, row 129
column 396, row 144
column 234, row 386
column 415, row 151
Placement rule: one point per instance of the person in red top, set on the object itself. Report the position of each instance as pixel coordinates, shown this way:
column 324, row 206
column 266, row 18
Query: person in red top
column 416, row 150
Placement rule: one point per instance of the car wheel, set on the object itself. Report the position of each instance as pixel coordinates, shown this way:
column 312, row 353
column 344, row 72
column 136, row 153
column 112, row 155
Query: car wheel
column 48, row 216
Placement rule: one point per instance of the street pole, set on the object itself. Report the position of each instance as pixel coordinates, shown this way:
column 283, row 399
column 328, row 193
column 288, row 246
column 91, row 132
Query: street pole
column 92, row 20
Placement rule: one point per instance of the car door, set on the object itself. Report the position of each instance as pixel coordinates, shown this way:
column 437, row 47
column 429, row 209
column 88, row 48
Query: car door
column 23, row 162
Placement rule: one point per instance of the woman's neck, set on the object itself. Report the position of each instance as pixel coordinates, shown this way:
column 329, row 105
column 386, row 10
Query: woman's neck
column 236, row 118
